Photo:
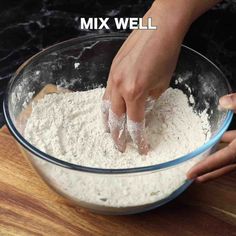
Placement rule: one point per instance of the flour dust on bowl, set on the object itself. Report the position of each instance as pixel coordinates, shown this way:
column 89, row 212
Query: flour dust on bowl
column 52, row 107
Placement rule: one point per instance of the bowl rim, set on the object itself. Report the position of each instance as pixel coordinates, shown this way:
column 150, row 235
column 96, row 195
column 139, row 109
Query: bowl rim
column 32, row 149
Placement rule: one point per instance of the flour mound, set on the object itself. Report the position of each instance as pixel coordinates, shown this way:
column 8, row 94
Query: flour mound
column 69, row 127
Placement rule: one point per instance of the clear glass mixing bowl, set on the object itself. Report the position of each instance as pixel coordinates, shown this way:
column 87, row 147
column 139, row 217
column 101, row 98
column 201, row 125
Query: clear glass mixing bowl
column 81, row 64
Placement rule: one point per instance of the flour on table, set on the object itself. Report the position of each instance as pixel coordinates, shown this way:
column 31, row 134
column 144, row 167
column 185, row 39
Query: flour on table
column 69, row 127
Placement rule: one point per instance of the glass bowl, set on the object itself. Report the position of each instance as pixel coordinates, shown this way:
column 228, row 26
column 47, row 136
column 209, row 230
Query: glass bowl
column 81, row 64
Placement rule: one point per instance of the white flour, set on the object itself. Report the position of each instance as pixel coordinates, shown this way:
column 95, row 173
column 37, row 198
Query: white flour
column 69, row 127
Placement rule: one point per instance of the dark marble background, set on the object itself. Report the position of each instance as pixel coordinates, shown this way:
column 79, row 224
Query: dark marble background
column 28, row 26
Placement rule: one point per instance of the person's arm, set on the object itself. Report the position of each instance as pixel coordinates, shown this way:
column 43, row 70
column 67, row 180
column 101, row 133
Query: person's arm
column 143, row 67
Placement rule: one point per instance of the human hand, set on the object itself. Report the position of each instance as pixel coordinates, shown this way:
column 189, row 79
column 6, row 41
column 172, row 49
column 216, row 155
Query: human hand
column 224, row 160
column 140, row 72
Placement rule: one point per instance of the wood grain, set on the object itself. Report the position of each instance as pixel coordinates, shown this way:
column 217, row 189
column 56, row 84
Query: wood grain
column 28, row 207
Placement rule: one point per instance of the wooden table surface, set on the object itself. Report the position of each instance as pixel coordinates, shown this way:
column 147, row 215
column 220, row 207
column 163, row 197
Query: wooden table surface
column 29, row 207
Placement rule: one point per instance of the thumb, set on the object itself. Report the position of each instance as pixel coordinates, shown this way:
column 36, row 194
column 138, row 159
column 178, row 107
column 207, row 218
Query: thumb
column 228, row 101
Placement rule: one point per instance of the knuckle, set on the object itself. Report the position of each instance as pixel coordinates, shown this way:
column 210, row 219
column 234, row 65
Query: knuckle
column 131, row 93
column 116, row 78
column 134, row 90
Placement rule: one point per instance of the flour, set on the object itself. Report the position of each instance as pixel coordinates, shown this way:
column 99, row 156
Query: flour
column 69, row 127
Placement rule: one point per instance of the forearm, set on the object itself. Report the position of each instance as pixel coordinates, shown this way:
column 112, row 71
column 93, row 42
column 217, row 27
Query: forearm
column 178, row 15
column 191, row 9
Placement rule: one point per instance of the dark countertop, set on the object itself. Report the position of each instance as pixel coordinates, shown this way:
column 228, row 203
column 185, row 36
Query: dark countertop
column 27, row 27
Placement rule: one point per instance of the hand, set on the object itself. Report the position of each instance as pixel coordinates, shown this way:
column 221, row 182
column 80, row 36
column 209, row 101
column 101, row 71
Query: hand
column 140, row 72
column 224, row 160
column 142, row 69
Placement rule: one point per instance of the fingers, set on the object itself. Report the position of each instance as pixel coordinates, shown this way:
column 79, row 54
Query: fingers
column 217, row 173
column 105, row 106
column 138, row 135
column 222, row 158
column 114, row 120
column 136, row 125
column 117, row 121
column 228, row 101
column 229, row 136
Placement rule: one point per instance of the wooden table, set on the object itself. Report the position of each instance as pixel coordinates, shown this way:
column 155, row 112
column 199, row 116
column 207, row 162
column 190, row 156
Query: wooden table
column 29, row 207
